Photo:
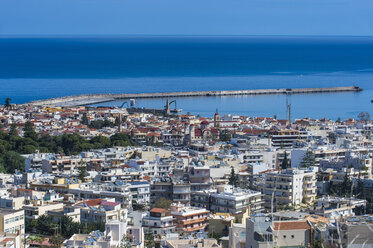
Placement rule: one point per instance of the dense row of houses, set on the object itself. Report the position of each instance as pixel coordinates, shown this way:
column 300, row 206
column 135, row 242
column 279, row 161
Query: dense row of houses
column 222, row 181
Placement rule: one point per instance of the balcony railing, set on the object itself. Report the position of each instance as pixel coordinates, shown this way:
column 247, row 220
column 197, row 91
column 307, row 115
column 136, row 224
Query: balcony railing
column 192, row 221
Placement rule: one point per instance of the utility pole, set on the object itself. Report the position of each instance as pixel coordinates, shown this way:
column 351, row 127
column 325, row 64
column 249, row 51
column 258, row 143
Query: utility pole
column 288, row 110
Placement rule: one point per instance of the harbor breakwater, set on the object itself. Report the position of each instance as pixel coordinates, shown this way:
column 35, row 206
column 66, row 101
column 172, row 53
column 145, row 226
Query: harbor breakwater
column 88, row 99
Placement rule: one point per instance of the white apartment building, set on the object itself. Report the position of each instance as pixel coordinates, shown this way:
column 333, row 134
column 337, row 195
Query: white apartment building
column 140, row 192
column 236, row 201
column 286, row 138
column 146, row 167
column 327, row 153
column 120, row 193
column 159, row 221
column 112, row 237
column 12, row 221
column 289, row 187
column 261, row 232
column 39, row 208
column 12, row 202
column 107, row 211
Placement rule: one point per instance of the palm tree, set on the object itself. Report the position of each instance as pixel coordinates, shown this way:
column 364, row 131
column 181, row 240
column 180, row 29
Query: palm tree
column 7, row 102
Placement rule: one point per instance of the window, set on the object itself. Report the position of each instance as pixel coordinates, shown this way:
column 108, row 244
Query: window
column 292, row 236
column 284, row 236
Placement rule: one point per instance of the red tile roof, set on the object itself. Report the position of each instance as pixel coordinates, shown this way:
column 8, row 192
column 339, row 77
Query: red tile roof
column 106, row 203
column 158, row 210
column 93, row 202
column 291, row 225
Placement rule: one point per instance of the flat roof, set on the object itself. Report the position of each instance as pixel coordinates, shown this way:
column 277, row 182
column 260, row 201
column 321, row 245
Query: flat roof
column 5, row 211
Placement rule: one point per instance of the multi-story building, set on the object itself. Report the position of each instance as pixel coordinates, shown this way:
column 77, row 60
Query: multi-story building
column 112, row 237
column 159, row 221
column 189, row 219
column 286, row 138
column 199, row 177
column 329, row 153
column 62, row 164
column 236, row 201
column 104, row 211
column 39, row 208
column 261, row 232
column 120, row 193
column 140, row 192
column 35, row 161
column 181, row 192
column 60, row 185
column 12, row 202
column 289, row 187
column 162, row 187
column 71, row 211
column 12, row 221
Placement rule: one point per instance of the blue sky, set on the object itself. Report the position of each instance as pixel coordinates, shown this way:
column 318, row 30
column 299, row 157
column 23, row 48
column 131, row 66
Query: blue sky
column 186, row 17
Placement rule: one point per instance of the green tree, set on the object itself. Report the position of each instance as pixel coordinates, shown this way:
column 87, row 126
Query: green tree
column 13, row 161
column 13, row 129
column 149, row 239
column 121, row 139
column 84, row 120
column 100, row 142
column 7, row 102
column 44, row 225
column 82, row 173
column 29, row 131
column 163, row 203
column 308, row 159
column 99, row 124
column 69, row 227
column 225, row 136
column 30, row 225
column 285, row 161
column 233, row 178
column 345, row 187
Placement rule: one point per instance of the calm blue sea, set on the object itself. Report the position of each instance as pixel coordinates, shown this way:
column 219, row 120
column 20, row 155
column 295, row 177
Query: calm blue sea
column 38, row 68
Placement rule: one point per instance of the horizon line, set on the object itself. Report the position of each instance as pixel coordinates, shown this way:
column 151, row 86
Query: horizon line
column 5, row 36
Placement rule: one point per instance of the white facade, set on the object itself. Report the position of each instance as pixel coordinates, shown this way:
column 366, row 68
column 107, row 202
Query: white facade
column 290, row 187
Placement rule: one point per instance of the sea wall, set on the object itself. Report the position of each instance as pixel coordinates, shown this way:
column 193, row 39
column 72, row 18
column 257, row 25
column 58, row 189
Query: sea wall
column 99, row 98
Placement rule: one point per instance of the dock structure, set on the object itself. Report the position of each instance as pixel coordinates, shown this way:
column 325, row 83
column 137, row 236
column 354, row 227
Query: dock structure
column 89, row 99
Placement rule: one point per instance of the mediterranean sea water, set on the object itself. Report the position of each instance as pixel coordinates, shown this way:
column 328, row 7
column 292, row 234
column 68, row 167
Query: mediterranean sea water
column 43, row 67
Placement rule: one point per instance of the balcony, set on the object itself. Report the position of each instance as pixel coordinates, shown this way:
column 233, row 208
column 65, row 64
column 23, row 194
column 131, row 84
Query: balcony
column 284, row 183
column 162, row 226
column 283, row 197
column 284, row 189
column 194, row 229
column 193, row 221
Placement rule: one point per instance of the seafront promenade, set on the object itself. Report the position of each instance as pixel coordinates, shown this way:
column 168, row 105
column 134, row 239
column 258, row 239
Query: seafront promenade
column 89, row 99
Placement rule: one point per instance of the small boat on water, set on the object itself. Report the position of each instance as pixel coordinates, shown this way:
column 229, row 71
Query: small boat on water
column 176, row 110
